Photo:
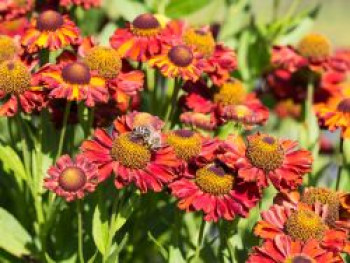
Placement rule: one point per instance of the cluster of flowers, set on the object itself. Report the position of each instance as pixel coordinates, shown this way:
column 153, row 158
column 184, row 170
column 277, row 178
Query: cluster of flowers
column 312, row 226
column 311, row 62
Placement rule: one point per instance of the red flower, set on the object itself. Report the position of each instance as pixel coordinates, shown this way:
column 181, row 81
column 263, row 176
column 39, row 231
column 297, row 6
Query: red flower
column 72, row 179
column 50, row 31
column 18, row 89
column 14, row 27
column 283, row 249
column 11, row 9
column 75, row 82
column 131, row 158
column 140, row 40
column 214, row 189
column 266, row 157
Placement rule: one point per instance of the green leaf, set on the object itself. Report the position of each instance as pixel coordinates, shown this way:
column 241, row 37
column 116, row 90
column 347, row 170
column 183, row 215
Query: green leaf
column 100, row 230
column 93, row 258
column 180, row 8
column 105, row 34
column 175, row 255
column 125, row 8
column 12, row 163
column 14, row 238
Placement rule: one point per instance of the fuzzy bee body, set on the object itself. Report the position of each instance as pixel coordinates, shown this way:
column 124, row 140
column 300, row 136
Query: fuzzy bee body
column 150, row 137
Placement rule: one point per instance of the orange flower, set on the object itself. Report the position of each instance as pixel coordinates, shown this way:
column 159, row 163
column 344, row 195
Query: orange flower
column 87, row 4
column 335, row 112
column 140, row 40
column 179, row 60
column 75, row 82
column 50, row 30
column 11, row 9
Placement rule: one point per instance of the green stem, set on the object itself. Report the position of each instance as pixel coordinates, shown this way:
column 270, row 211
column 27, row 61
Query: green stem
column 341, row 165
column 64, row 128
column 90, row 124
column 80, row 232
column 169, row 118
column 199, row 241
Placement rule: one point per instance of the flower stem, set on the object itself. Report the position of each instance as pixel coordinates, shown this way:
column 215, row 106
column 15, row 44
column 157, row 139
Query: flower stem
column 341, row 165
column 169, row 118
column 64, row 128
column 80, row 232
column 200, row 240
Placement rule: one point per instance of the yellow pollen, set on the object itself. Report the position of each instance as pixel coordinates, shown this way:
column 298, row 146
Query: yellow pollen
column 303, row 225
column 265, row 152
column 186, row 144
column 325, row 197
column 231, row 93
column 314, row 46
column 72, row 179
column 214, row 180
column 14, row 77
column 145, row 25
column 105, row 60
column 8, row 48
column 130, row 154
column 202, row 40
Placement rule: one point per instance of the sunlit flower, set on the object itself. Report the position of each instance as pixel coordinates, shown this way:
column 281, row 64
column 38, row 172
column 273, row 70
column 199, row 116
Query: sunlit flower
column 301, row 223
column 214, row 189
column 282, row 249
column 108, row 64
column 72, row 179
column 335, row 112
column 220, row 60
column 50, row 30
column 178, row 60
column 200, row 120
column 18, row 90
column 314, row 47
column 87, row 4
column 288, row 108
column 75, row 82
column 140, row 40
column 11, row 9
column 267, row 157
column 131, row 158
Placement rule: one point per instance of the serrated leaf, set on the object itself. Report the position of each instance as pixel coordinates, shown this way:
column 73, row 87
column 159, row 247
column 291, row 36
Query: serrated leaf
column 180, row 8
column 100, row 230
column 14, row 238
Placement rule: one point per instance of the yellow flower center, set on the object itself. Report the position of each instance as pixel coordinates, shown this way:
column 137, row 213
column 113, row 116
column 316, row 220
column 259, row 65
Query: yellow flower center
column 145, row 25
column 49, row 21
column 202, row 40
column 76, row 73
column 325, row 197
column 72, row 179
column 14, row 77
column 303, row 225
column 214, row 180
column 344, row 106
column 186, row 144
column 300, row 259
column 314, row 46
column 265, row 152
column 180, row 56
column 105, row 60
column 8, row 48
column 231, row 93
column 130, row 153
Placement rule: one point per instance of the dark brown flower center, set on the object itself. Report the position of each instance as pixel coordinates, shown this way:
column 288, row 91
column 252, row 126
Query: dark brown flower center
column 265, row 152
column 185, row 143
column 304, row 225
column 344, row 106
column 130, row 152
column 76, row 73
column 145, row 21
column 72, row 179
column 214, row 180
column 49, row 21
column 181, row 56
